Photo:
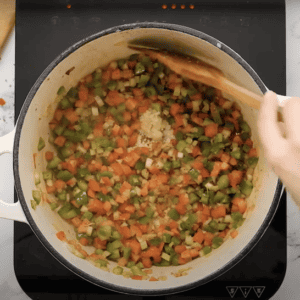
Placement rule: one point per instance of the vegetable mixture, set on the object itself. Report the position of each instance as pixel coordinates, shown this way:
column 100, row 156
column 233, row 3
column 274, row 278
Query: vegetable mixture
column 150, row 168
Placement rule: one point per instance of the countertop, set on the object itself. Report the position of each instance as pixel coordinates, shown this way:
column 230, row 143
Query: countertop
column 9, row 287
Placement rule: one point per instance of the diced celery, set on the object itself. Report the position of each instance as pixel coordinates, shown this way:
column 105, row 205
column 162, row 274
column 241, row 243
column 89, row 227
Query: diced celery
column 37, row 196
column 173, row 214
column 223, row 182
column 117, row 270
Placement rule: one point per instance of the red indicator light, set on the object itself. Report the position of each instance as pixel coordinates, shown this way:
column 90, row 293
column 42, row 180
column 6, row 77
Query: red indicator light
column 192, row 6
column 69, row 6
column 182, row 6
column 173, row 6
column 164, row 6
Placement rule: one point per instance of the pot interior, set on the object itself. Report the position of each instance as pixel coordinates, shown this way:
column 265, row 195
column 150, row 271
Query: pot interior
column 84, row 60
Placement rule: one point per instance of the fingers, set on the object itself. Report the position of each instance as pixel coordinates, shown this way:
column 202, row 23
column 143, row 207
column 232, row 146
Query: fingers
column 273, row 143
column 291, row 115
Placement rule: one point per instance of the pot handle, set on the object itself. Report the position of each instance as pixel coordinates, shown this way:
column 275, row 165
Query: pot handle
column 12, row 211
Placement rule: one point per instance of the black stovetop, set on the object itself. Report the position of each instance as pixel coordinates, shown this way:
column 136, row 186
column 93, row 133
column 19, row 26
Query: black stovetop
column 254, row 29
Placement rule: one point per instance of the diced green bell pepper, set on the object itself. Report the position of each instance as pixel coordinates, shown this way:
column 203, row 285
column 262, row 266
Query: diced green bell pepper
column 41, row 144
column 64, row 175
column 246, row 187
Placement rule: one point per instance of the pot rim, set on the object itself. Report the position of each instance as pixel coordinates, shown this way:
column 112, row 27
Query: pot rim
column 35, row 228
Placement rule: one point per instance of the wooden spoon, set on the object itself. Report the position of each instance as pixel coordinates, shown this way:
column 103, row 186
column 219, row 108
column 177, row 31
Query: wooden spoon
column 200, row 71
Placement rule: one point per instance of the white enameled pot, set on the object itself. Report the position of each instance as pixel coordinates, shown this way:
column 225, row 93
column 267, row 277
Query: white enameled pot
column 88, row 54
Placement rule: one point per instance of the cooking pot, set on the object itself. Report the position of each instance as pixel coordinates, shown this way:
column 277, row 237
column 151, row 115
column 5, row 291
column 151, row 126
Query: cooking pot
column 67, row 69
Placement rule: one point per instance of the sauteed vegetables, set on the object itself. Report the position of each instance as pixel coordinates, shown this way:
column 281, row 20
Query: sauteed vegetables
column 149, row 167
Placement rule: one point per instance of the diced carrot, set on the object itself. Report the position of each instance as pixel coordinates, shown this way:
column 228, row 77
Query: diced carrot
column 162, row 178
column 181, row 208
column 114, row 98
column 204, row 173
column 249, row 143
column 144, row 228
column 91, row 193
column 135, row 230
column 103, row 190
column 49, row 155
column 127, row 116
column 154, row 170
column 122, row 262
column 113, row 156
column 124, row 216
column 71, row 115
column 179, row 120
column 116, row 74
column 60, row 141
column 130, row 104
column 211, row 130
column 94, row 185
column 120, row 199
column 237, row 139
column 71, row 182
column 252, row 152
column 127, row 73
column 125, row 186
column 152, row 251
column 127, row 130
column 225, row 157
column 137, row 92
column 115, row 130
column 125, row 232
column 208, row 238
column 117, row 169
column 133, row 139
column 144, row 190
column 50, row 189
column 182, row 260
column 86, row 144
column 121, row 142
column 58, row 114
column 218, row 212
column 196, row 119
column 137, row 277
column 131, row 158
column 236, row 114
column 198, row 165
column 235, row 178
column 136, row 125
column 106, row 181
column 83, row 226
column 179, row 249
column 233, row 161
column 134, row 245
column 153, row 279
column 186, row 254
column 99, row 244
column 186, row 179
column 59, row 184
column 234, row 234
column 216, row 169
column 196, row 151
column 175, row 109
column 126, row 170
column 206, row 210
column 107, row 206
column 79, row 103
column 143, row 109
column 96, row 206
column 61, row 235
column 241, row 204
column 198, row 237
column 83, row 93
column 83, row 241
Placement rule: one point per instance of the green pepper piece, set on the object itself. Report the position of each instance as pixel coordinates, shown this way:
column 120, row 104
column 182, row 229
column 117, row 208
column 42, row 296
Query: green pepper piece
column 149, row 212
column 222, row 226
column 193, row 197
column 223, row 182
column 104, row 232
column 246, row 187
column 194, row 174
column 81, row 198
column 82, row 172
column 181, row 145
column 237, row 154
column 102, row 262
column 155, row 241
column 104, row 174
column 173, row 214
column 217, row 242
column 117, row 270
column 179, row 136
column 175, row 240
column 37, row 196
column 199, row 133
column 245, row 127
column 61, row 90
column 187, row 159
column 252, row 161
column 215, row 114
column 53, row 205
column 244, row 136
column 64, row 175
column 111, row 85
column 115, row 254
column 73, row 92
column 139, row 165
column 166, row 238
column 59, row 129
column 126, row 252
column 87, row 215
column 176, row 164
column 62, row 196
column 53, row 163
column 65, row 103
column 144, row 220
column 47, row 175
column 139, row 68
column 205, row 199
column 117, row 186
column 167, row 166
column 134, row 180
column 246, row 148
column 41, row 144
column 218, row 197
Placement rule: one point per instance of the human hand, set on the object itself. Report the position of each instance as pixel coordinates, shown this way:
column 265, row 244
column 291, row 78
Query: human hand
column 282, row 151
